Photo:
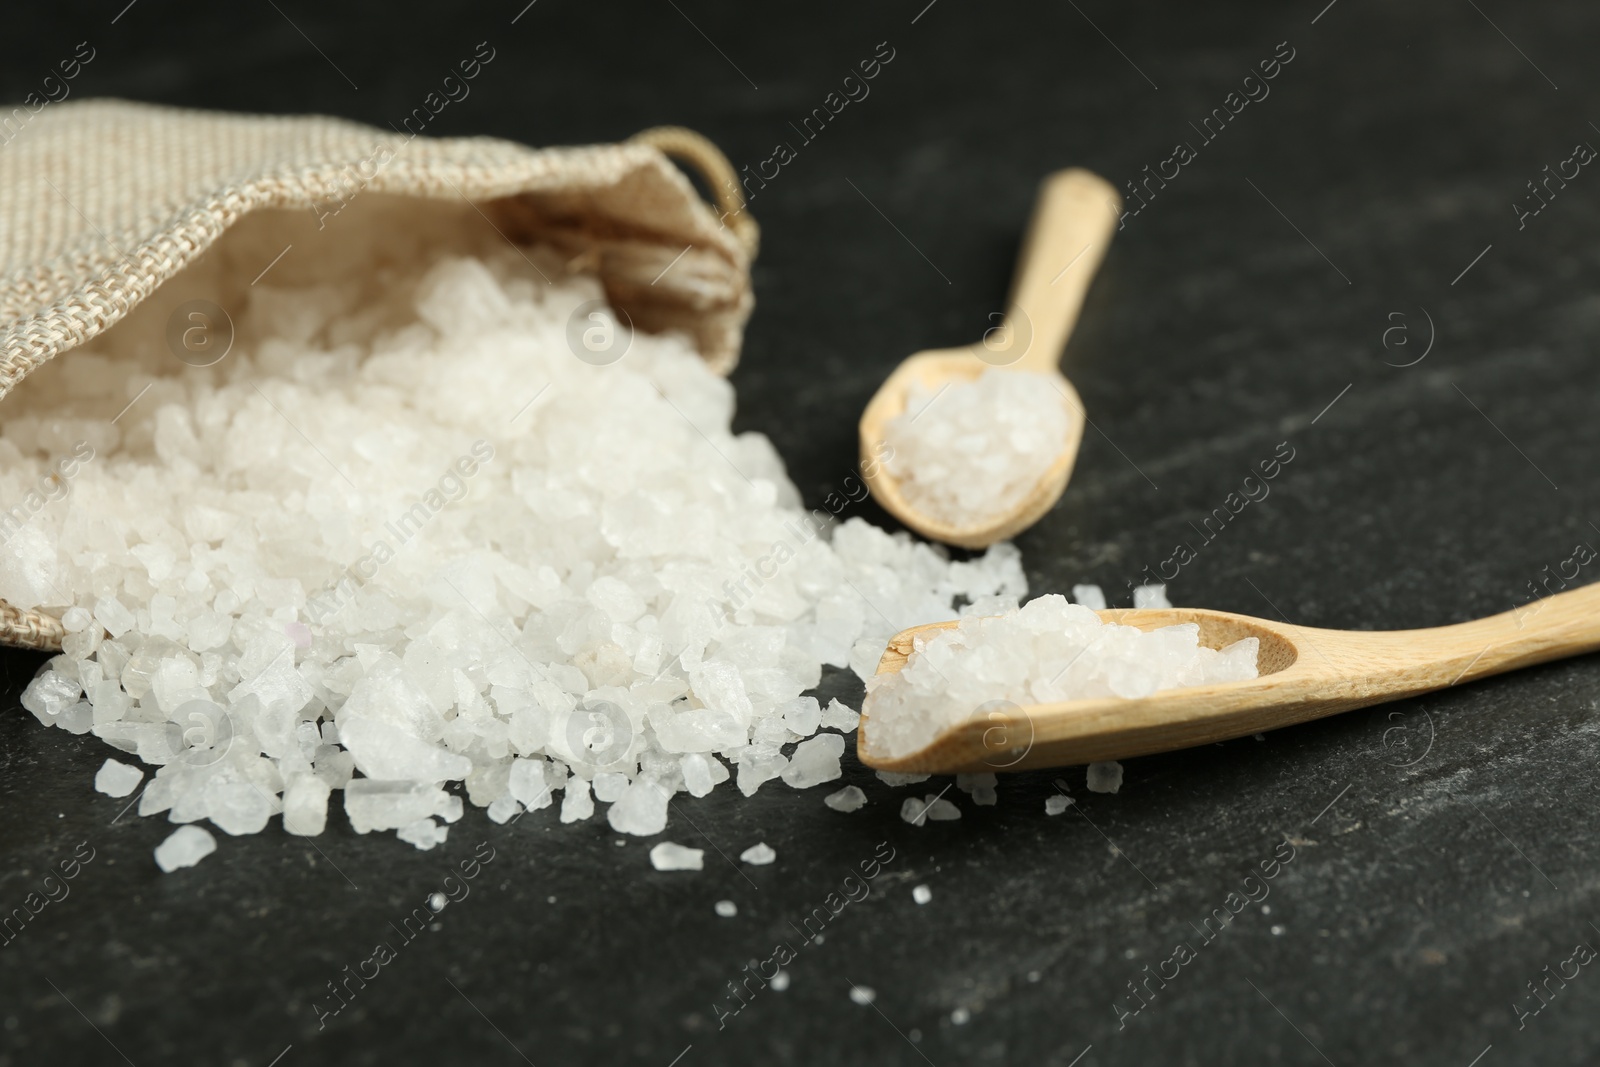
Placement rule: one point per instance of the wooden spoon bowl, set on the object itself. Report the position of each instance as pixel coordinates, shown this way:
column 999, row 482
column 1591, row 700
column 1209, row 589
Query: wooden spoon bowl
column 933, row 369
column 1305, row 673
column 1067, row 237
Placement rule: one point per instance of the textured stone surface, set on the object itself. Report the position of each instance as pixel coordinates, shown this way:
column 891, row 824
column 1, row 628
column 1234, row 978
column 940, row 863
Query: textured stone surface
column 1396, row 140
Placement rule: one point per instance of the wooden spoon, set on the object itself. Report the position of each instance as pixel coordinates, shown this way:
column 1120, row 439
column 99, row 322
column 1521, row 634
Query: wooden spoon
column 1067, row 237
column 1306, row 674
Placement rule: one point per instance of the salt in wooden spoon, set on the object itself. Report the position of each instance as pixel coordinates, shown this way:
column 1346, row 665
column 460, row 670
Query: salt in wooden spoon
column 1067, row 237
column 1306, row 674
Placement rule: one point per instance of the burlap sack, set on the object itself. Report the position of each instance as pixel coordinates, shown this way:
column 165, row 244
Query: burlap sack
column 103, row 201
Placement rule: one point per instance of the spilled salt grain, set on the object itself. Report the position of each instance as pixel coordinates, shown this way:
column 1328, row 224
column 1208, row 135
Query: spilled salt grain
column 863, row 994
column 1090, row 596
column 968, row 452
column 916, row 812
column 578, row 804
column 667, row 856
column 980, row 787
column 921, row 894
column 305, row 804
column 815, row 761
column 1105, row 777
column 424, row 834
column 726, row 908
column 117, row 779
column 848, row 799
column 184, row 847
column 780, row 981
column 759, row 854
column 378, row 805
column 837, row 716
column 1046, row 652
column 1150, row 596
column 1056, row 805
column 961, row 1016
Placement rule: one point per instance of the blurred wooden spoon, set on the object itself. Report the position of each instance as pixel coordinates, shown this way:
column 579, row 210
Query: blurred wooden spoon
column 1072, row 224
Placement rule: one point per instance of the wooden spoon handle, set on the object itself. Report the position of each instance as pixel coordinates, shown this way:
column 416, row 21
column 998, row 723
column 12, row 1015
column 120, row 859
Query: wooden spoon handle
column 1551, row 627
column 1072, row 224
column 1386, row 664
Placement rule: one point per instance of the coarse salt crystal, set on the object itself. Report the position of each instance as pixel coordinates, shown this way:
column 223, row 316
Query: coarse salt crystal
column 667, row 856
column 424, row 834
column 759, row 854
column 117, row 779
column 931, row 807
column 815, row 761
column 305, row 804
column 1150, row 596
column 1105, row 777
column 1090, row 596
column 184, row 847
column 848, row 799
column 837, row 716
column 980, row 787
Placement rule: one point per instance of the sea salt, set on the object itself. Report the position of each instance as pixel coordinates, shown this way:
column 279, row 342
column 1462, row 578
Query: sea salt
column 372, row 804
column 815, row 761
column 1057, row 804
column 424, row 834
column 609, row 786
column 1046, row 652
column 1090, row 596
column 402, row 537
column 863, row 994
column 577, row 804
column 972, row 451
column 980, row 787
column 759, row 854
column 921, row 894
column 850, row 798
column 305, row 804
column 117, row 779
column 1105, row 777
column 779, row 982
column 527, row 784
column 931, row 807
column 837, row 716
column 726, row 908
column 642, row 808
column 1150, row 596
column 667, row 856
column 503, row 809
column 184, row 847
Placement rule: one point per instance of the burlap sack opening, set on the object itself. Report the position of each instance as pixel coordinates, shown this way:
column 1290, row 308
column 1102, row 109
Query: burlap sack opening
column 103, row 204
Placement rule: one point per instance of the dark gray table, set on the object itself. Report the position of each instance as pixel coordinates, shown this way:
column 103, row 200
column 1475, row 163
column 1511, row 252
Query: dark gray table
column 1444, row 849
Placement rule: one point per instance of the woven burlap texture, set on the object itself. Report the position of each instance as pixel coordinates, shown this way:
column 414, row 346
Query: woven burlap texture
column 102, row 201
